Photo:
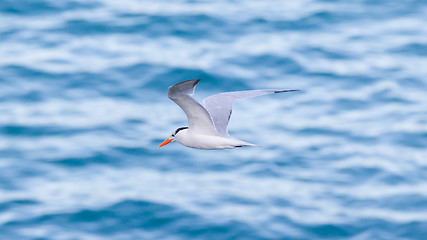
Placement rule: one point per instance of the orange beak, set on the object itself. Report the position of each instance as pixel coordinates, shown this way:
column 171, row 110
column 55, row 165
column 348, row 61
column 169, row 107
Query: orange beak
column 165, row 142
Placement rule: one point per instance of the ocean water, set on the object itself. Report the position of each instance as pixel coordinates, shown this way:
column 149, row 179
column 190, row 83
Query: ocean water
column 83, row 107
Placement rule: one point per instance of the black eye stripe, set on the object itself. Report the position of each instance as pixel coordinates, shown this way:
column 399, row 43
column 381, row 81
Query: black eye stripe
column 179, row 129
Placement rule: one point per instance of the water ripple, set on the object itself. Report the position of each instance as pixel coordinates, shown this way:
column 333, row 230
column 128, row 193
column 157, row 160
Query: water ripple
column 83, row 108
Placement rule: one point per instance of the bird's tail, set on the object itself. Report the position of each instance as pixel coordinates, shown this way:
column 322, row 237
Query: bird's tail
column 243, row 143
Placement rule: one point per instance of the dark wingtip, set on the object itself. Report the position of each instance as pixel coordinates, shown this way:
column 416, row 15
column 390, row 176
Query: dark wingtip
column 196, row 81
column 290, row 90
column 189, row 80
column 186, row 87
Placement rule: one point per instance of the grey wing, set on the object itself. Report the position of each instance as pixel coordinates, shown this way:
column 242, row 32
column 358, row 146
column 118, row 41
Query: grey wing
column 199, row 119
column 220, row 105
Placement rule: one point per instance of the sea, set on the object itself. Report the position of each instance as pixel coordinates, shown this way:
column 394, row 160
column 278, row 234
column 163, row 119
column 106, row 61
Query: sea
column 84, row 107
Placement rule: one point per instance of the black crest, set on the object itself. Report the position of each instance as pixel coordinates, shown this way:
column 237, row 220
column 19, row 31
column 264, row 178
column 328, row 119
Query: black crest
column 179, row 129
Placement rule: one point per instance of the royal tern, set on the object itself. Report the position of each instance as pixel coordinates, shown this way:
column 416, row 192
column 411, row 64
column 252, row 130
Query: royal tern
column 207, row 126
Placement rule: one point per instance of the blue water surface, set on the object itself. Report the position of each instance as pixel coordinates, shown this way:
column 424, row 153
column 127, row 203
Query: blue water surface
column 83, row 107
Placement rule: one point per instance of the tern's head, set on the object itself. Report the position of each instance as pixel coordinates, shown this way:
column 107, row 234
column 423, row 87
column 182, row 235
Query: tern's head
column 174, row 136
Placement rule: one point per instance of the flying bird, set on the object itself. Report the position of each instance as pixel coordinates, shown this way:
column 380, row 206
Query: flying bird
column 207, row 126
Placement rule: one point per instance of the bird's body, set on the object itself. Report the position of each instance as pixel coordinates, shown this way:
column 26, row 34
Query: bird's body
column 207, row 126
column 202, row 141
